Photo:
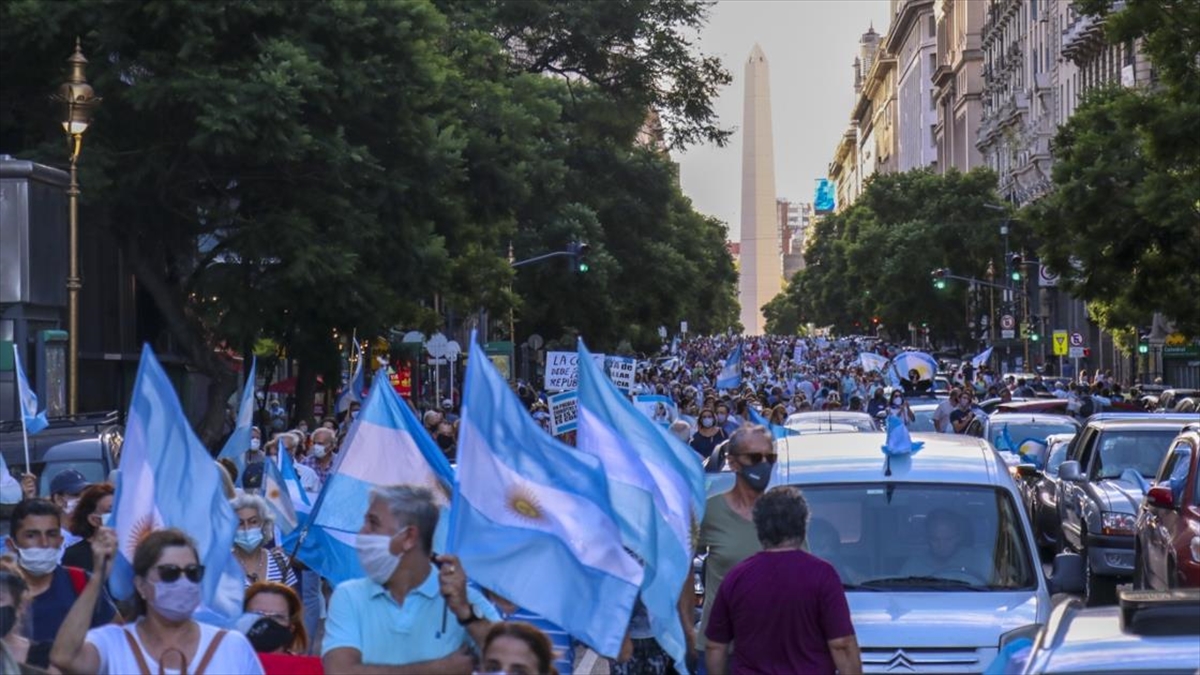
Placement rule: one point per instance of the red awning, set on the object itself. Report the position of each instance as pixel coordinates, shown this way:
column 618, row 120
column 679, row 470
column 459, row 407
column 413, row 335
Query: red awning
column 288, row 386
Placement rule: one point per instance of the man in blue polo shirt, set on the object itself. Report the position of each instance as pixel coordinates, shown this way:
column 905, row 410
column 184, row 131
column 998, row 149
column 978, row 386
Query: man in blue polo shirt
column 404, row 618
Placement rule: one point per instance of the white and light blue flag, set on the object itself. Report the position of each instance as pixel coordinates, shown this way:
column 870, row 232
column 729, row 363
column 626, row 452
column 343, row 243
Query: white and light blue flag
column 290, row 478
column 730, row 376
column 238, row 442
column 526, row 501
column 983, row 357
column 657, row 488
column 778, row 431
column 872, row 361
column 657, row 408
column 168, row 479
column 34, row 421
column 356, row 385
column 925, row 365
column 386, row 445
column 277, row 494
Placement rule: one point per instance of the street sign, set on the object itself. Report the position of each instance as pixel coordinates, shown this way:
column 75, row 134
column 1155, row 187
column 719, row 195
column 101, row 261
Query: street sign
column 1075, row 352
column 1008, row 322
column 1007, row 334
column 1046, row 278
column 1060, row 343
column 1076, row 340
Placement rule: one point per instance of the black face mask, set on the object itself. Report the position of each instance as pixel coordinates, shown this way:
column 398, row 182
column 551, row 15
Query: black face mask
column 8, row 620
column 445, row 442
column 266, row 635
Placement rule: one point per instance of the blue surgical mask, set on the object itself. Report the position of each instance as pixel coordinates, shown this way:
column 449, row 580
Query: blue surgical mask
column 248, row 540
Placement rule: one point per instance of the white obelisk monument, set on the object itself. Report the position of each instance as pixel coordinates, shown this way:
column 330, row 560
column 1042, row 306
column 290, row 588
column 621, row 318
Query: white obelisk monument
column 761, row 262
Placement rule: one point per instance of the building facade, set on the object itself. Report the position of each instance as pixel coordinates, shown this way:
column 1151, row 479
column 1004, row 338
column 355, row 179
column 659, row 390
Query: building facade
column 869, row 145
column 958, row 83
column 912, row 42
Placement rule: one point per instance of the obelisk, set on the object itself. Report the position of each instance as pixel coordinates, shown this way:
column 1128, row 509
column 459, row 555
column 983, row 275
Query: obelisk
column 761, row 262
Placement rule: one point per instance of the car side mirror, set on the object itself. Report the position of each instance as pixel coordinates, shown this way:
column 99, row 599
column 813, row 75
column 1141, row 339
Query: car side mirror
column 1028, row 471
column 1160, row 496
column 1069, row 471
column 1066, row 575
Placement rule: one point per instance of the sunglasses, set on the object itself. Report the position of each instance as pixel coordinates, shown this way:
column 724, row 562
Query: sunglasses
column 758, row 457
column 171, row 573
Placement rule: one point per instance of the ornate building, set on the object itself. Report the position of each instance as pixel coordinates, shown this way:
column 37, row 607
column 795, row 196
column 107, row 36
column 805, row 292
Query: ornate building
column 912, row 41
column 869, row 144
column 958, row 83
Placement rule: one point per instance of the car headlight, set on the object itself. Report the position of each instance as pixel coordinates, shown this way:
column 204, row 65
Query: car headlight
column 1117, row 523
column 1195, row 548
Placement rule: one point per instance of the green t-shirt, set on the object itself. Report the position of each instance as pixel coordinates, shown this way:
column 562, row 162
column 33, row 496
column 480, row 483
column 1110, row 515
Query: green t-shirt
column 729, row 539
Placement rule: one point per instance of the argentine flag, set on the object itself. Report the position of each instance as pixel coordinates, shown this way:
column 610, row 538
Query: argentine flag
column 982, row 358
column 524, row 501
column 355, row 386
column 657, row 490
column 777, row 431
column 385, row 446
column 277, row 495
column 34, row 421
column 871, row 361
column 925, row 365
column 730, row 376
column 239, row 441
column 168, row 479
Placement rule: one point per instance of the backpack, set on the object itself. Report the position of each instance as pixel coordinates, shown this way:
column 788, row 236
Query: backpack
column 1087, row 407
column 79, row 579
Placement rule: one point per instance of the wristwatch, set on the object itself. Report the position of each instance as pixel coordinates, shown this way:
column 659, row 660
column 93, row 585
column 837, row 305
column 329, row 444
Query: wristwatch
column 471, row 618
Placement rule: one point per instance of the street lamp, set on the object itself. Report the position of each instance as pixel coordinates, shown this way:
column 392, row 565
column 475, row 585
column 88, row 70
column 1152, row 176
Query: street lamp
column 78, row 101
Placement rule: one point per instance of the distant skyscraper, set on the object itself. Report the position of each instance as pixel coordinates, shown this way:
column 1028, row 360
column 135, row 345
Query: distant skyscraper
column 761, row 265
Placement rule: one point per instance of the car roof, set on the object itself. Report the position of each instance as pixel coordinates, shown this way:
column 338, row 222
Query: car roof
column 1141, row 421
column 1033, row 417
column 858, row 457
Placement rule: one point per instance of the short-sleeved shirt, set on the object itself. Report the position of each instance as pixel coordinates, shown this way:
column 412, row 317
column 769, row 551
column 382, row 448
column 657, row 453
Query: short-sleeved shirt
column 363, row 615
column 51, row 606
column 729, row 539
column 233, row 655
column 780, row 609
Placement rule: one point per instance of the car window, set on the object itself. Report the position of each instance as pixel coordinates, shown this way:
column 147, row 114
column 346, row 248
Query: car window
column 1175, row 469
column 1141, row 450
column 93, row 472
column 919, row 536
column 1016, row 436
column 1058, row 455
column 924, row 421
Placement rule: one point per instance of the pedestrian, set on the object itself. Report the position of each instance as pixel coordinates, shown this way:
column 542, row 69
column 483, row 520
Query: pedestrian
column 324, row 445
column 517, row 648
column 562, row 644
column 393, row 616
column 962, row 417
column 941, row 416
column 708, row 436
column 66, row 488
column 18, row 650
column 274, row 624
column 36, row 538
column 784, row 608
column 167, row 575
column 727, row 530
column 93, row 511
column 256, row 528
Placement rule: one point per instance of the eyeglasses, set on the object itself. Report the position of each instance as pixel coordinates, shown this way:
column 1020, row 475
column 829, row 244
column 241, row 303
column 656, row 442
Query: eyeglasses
column 171, row 573
column 758, row 457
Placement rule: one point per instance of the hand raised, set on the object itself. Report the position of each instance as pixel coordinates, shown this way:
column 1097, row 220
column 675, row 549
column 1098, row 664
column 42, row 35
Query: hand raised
column 104, row 551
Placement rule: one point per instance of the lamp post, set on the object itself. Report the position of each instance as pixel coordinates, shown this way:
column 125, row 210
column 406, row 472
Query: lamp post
column 78, row 101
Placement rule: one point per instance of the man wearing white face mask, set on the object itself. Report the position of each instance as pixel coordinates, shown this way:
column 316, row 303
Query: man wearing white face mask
column 324, row 442
column 391, row 622
column 35, row 536
column 65, row 488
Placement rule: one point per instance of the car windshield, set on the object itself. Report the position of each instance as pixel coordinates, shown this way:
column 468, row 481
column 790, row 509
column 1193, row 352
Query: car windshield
column 1057, row 456
column 807, row 421
column 918, row 536
column 93, row 472
column 1142, row 451
column 924, row 421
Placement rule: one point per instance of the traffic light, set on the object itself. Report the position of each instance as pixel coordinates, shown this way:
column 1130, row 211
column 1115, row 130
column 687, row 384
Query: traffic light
column 1143, row 345
column 1014, row 266
column 939, row 278
column 1031, row 332
column 578, row 251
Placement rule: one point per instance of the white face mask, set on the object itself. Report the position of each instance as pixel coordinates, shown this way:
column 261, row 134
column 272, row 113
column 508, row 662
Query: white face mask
column 255, row 444
column 319, row 451
column 375, row 556
column 176, row 600
column 38, row 561
column 69, row 508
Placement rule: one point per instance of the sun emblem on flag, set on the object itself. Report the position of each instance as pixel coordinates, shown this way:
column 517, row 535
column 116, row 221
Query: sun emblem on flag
column 273, row 493
column 525, row 503
column 142, row 527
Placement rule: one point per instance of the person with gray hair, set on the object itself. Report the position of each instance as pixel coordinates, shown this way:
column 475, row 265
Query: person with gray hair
column 394, row 619
column 785, row 608
column 256, row 530
column 727, row 531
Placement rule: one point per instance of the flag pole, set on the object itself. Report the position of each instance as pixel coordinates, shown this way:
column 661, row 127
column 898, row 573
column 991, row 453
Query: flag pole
column 24, row 429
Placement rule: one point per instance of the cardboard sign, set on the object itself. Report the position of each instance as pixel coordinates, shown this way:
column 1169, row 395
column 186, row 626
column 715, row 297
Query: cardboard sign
column 564, row 412
column 562, row 370
column 621, row 370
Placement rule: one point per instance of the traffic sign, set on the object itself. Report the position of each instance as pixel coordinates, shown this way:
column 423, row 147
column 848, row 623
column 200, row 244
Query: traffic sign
column 1060, row 343
column 1046, row 278
column 1075, row 352
column 1008, row 322
column 1076, row 340
column 1007, row 334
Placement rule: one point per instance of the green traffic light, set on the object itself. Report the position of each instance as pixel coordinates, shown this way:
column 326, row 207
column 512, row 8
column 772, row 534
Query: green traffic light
column 940, row 284
column 583, row 267
column 1143, row 348
column 1035, row 337
column 1016, row 276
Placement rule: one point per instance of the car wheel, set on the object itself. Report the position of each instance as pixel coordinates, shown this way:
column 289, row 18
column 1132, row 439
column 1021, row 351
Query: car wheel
column 1097, row 590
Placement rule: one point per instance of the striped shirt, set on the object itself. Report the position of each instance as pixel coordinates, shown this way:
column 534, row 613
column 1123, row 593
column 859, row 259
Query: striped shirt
column 276, row 566
column 564, row 648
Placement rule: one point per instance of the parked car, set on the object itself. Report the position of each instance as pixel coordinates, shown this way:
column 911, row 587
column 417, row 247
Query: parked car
column 1169, row 399
column 1167, row 540
column 1024, row 434
column 878, row 522
column 1102, row 483
column 1040, row 489
column 1146, row 633
column 813, row 419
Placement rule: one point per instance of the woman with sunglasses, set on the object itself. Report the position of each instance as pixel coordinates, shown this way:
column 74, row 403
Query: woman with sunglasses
column 167, row 576
column 274, row 623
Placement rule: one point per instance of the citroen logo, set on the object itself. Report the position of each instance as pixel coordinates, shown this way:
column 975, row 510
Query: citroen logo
column 900, row 662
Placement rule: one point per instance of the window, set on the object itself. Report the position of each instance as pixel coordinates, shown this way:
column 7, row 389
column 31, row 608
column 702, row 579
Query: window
column 1141, row 451
column 932, row 26
column 1175, row 470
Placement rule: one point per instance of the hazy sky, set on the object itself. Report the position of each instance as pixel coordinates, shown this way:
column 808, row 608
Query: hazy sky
column 810, row 47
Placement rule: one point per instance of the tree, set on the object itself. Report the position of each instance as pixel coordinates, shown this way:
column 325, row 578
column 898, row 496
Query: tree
column 872, row 262
column 1123, row 225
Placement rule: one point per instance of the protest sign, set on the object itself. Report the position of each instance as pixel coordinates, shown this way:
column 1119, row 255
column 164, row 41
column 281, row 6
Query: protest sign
column 659, row 408
column 564, row 412
column 621, row 370
column 562, row 370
